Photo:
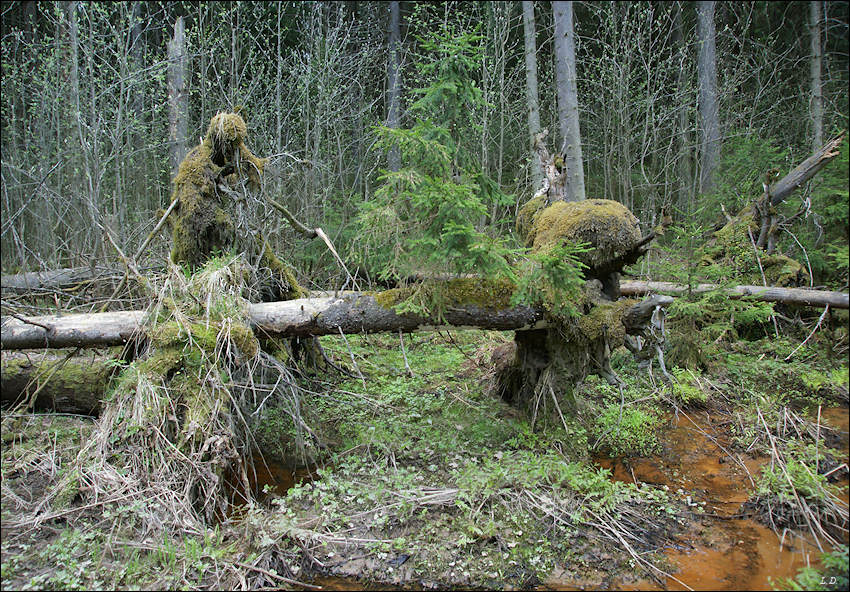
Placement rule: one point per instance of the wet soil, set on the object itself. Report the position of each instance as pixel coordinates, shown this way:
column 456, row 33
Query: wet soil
column 720, row 551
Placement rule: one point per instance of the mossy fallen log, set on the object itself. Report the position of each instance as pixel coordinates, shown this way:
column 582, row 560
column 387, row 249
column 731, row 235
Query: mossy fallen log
column 354, row 312
column 60, row 382
column 76, row 384
column 348, row 313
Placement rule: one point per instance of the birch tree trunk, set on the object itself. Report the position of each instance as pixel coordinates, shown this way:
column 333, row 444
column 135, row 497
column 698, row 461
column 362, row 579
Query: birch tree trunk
column 178, row 95
column 708, row 112
column 394, row 81
column 565, row 71
column 816, row 107
column 531, row 86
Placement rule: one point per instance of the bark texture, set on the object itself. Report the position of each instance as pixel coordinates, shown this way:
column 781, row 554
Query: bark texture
column 816, row 108
column 531, row 85
column 565, row 71
column 708, row 112
column 394, row 80
column 178, row 95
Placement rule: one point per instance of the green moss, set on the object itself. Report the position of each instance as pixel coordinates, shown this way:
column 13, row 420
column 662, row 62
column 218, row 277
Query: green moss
column 243, row 338
column 609, row 227
column 78, row 380
column 67, row 489
column 629, row 431
column 605, row 320
column 685, row 391
column 734, row 234
column 781, row 270
column 525, row 218
column 173, row 333
column 283, row 279
column 201, row 224
column 733, row 246
column 484, row 293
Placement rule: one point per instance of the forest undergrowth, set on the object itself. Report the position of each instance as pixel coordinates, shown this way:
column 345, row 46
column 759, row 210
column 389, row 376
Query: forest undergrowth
column 420, row 477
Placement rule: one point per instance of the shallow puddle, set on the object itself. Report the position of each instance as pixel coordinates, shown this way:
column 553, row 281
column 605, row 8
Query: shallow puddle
column 696, row 459
column 721, row 552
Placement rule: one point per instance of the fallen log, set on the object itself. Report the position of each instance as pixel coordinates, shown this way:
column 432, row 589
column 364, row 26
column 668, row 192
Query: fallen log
column 805, row 171
column 60, row 382
column 75, row 384
column 797, row 296
column 353, row 312
column 349, row 313
column 56, row 279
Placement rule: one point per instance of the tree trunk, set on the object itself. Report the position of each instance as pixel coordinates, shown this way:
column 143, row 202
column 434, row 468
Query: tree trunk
column 352, row 312
column 708, row 112
column 531, row 87
column 178, row 95
column 685, row 189
column 568, row 116
column 60, row 382
column 75, row 384
column 394, row 81
column 815, row 68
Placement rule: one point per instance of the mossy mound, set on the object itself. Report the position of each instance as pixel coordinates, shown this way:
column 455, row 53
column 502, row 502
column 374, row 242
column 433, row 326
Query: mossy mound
column 525, row 217
column 732, row 247
column 610, row 228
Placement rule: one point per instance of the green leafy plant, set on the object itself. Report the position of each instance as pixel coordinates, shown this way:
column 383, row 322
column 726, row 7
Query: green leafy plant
column 831, row 576
column 627, row 431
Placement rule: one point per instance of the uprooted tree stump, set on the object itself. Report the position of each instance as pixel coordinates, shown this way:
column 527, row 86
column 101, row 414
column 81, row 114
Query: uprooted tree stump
column 546, row 364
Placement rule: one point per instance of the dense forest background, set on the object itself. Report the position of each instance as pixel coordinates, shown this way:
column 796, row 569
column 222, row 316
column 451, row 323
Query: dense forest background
column 100, row 101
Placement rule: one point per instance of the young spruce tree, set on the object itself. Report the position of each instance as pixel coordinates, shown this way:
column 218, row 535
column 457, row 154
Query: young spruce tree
column 422, row 220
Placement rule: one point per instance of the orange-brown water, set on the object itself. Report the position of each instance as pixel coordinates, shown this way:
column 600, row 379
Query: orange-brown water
column 719, row 552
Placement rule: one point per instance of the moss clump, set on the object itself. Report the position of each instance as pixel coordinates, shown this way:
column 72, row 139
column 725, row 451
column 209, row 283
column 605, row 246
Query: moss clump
column 733, row 246
column 201, row 223
column 279, row 281
column 604, row 320
column 610, row 228
column 526, row 215
column 781, row 270
column 485, row 293
column 243, row 338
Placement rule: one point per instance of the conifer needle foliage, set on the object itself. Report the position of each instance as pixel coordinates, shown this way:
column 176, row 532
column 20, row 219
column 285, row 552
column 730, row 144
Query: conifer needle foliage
column 425, row 216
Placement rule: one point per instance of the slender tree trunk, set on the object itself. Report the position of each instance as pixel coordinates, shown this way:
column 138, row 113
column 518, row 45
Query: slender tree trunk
column 565, row 71
column 815, row 64
column 531, row 87
column 394, row 81
column 685, row 172
column 178, row 95
column 707, row 70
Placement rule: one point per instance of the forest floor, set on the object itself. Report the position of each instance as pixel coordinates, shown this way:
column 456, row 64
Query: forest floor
column 423, row 479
